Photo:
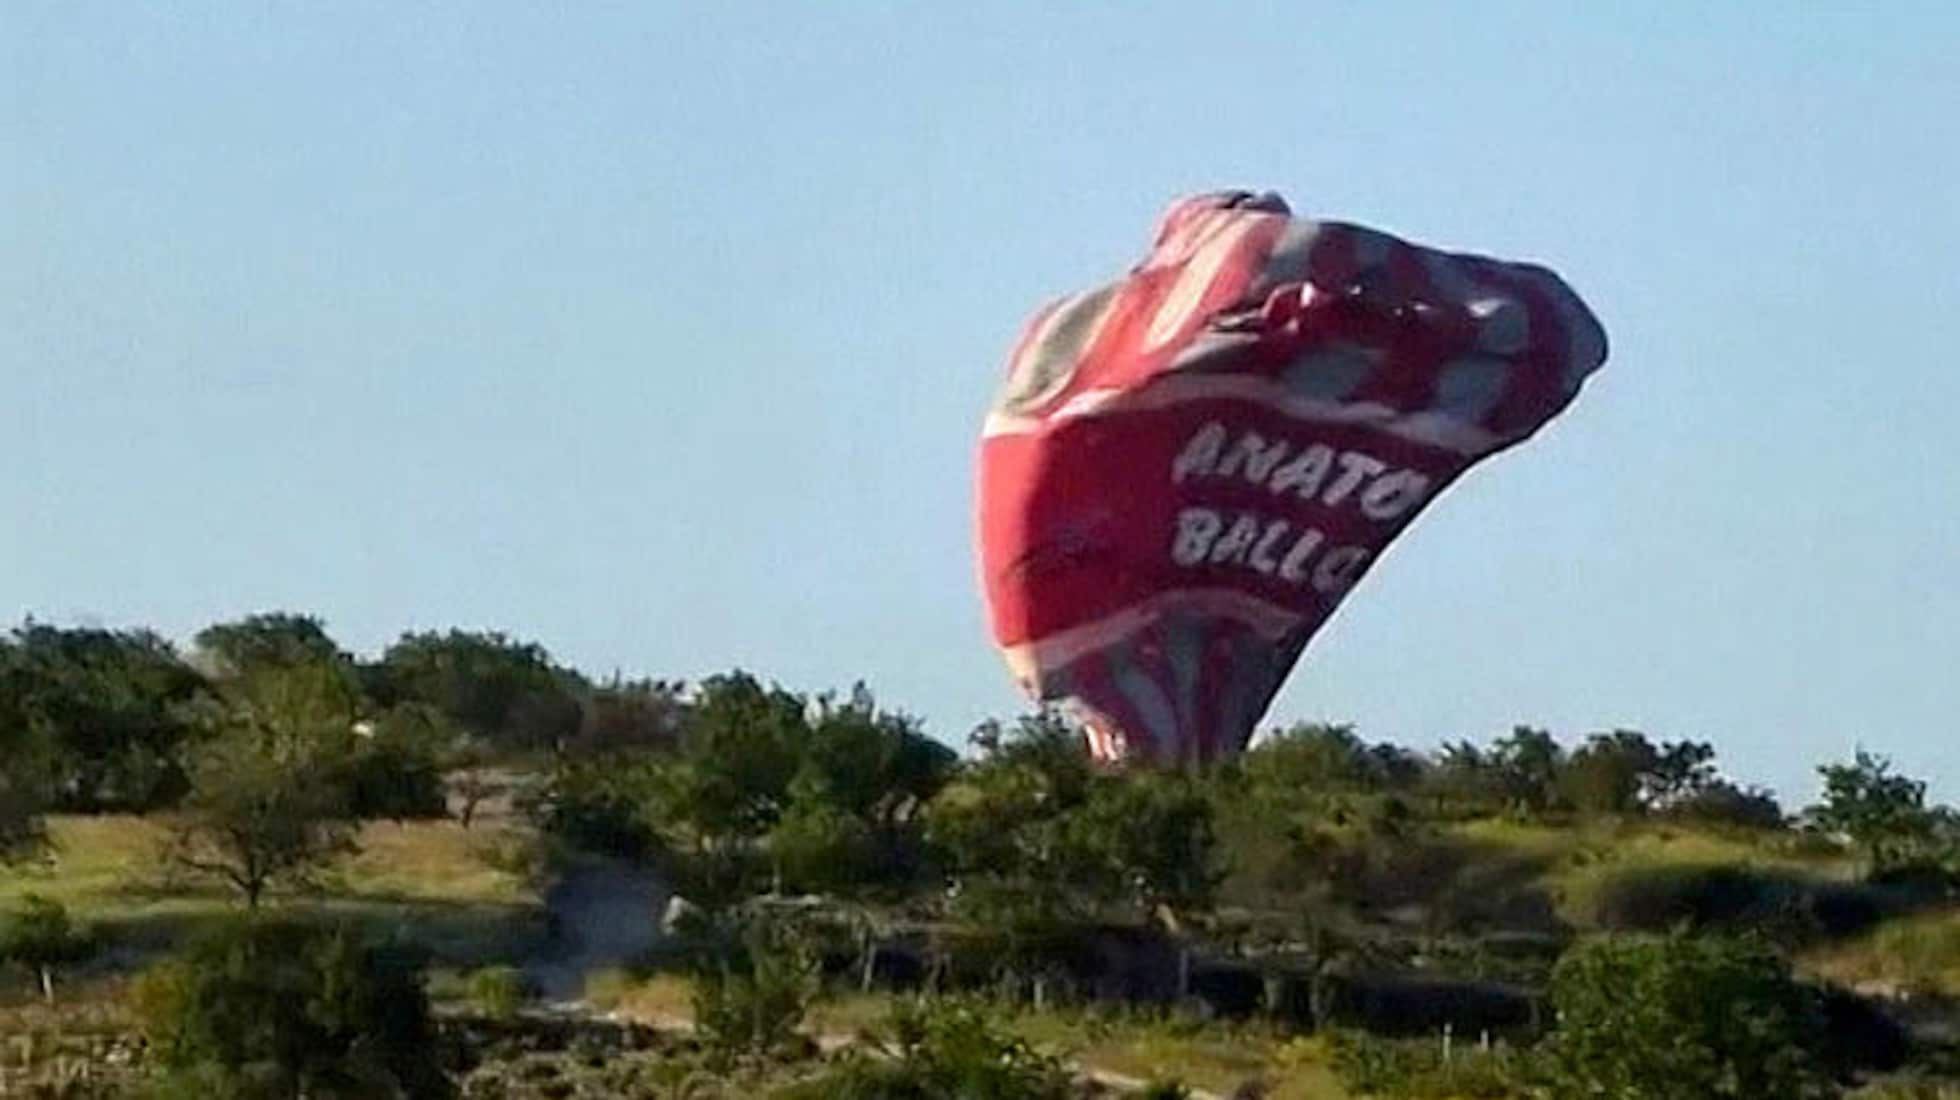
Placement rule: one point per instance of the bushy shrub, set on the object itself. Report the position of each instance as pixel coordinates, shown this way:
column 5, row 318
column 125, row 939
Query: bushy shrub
column 499, row 992
column 940, row 1049
column 752, row 990
column 38, row 936
column 817, row 847
column 1683, row 1018
column 395, row 773
column 272, row 1009
column 1724, row 803
column 595, row 806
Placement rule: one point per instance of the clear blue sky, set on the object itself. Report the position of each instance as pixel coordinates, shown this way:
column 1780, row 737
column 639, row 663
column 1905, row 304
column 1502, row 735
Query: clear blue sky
column 662, row 333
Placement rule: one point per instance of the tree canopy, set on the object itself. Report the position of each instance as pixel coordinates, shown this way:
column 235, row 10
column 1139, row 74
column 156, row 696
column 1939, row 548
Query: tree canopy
column 101, row 712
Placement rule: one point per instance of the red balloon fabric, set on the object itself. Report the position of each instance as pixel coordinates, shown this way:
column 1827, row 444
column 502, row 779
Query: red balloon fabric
column 1188, row 468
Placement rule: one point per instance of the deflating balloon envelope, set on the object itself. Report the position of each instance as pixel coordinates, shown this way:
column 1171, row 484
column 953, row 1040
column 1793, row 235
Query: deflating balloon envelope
column 1188, row 468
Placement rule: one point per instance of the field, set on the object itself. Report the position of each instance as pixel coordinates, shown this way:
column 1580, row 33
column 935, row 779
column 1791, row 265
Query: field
column 1916, row 954
column 469, row 895
column 476, row 897
column 472, row 895
column 1576, row 865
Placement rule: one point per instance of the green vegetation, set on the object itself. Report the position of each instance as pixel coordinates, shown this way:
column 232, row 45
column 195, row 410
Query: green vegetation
column 38, row 935
column 1914, row 954
column 1425, row 1069
column 498, row 992
column 941, row 1050
column 1325, row 916
column 266, row 804
column 102, row 713
column 1682, row 1017
column 273, row 1009
column 753, row 983
column 1883, row 812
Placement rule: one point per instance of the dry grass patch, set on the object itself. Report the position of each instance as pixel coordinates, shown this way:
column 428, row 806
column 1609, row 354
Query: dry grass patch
column 1918, row 953
column 116, row 861
column 439, row 861
column 660, row 1000
column 471, row 895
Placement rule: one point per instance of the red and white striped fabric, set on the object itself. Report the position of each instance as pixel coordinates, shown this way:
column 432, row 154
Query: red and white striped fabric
column 1189, row 467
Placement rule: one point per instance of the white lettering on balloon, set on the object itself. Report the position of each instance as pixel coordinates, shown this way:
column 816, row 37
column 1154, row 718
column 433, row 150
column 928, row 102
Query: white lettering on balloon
column 1205, row 537
column 1294, row 553
column 1385, row 492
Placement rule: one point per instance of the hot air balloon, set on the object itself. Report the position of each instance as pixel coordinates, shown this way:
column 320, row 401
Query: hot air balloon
column 1189, row 467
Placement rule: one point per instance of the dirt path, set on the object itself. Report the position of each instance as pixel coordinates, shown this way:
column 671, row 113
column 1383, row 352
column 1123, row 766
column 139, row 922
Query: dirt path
column 606, row 913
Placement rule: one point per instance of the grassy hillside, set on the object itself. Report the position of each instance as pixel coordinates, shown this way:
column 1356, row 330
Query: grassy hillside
column 1578, row 865
column 1136, row 1045
column 1914, row 954
column 440, row 878
column 468, row 894
column 475, row 896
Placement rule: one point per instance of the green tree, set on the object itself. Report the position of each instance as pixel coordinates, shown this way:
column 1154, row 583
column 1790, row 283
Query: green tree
column 741, row 750
column 21, row 803
column 1043, row 746
column 1883, row 812
column 1151, row 834
column 851, row 827
column 874, row 765
column 601, row 804
column 1527, row 764
column 851, row 820
column 753, row 987
column 395, row 768
column 1683, row 771
column 273, row 639
column 816, row 846
column 24, row 762
column 630, row 715
column 1022, row 870
column 713, row 804
column 1624, row 772
column 1721, row 802
column 1315, row 757
column 1683, row 1018
column 1609, row 774
column 1004, row 822
column 269, row 801
column 507, row 693
column 1520, row 774
column 1465, row 779
column 38, row 935
column 265, row 1010
column 103, row 710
